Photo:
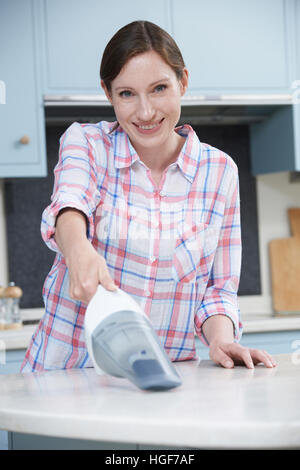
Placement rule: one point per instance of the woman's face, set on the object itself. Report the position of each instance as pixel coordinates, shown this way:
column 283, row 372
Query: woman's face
column 146, row 98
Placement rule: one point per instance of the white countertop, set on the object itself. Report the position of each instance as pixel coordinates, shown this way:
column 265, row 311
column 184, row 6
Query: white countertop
column 20, row 338
column 213, row 408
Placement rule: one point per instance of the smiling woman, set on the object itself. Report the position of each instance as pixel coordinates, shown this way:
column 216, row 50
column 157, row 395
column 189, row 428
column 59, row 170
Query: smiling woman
column 143, row 204
column 144, row 77
column 149, row 107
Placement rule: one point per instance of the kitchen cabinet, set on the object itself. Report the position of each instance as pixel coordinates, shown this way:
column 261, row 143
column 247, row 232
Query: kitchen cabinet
column 230, row 46
column 76, row 33
column 11, row 362
column 234, row 46
column 275, row 143
column 22, row 143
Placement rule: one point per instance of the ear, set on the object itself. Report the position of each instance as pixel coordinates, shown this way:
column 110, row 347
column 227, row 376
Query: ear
column 108, row 96
column 184, row 81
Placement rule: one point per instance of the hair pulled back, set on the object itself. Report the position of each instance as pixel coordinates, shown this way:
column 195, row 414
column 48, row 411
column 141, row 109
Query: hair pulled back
column 136, row 38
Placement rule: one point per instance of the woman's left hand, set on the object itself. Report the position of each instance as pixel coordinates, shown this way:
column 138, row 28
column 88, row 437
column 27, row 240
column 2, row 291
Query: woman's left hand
column 229, row 354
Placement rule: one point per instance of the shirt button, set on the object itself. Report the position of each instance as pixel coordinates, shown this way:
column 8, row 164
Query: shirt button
column 155, row 223
column 152, row 259
column 147, row 293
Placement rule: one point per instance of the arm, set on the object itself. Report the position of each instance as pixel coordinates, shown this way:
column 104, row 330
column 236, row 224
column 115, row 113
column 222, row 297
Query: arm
column 220, row 297
column 218, row 331
column 217, row 319
column 68, row 222
column 86, row 267
column 218, row 328
column 77, row 179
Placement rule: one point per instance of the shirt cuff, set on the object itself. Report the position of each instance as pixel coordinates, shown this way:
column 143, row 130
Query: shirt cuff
column 234, row 317
column 49, row 217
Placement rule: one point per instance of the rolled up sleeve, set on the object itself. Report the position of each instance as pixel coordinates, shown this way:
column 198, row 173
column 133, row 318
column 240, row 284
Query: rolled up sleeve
column 220, row 297
column 75, row 183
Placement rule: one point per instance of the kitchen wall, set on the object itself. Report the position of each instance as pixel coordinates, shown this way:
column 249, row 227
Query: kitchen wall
column 275, row 194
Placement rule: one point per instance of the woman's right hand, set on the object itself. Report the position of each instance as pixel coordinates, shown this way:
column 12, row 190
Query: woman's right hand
column 87, row 269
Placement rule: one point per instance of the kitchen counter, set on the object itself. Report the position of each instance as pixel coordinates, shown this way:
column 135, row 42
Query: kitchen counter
column 266, row 323
column 214, row 408
column 20, row 338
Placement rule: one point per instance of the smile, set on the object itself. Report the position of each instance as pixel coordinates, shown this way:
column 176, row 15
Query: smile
column 149, row 128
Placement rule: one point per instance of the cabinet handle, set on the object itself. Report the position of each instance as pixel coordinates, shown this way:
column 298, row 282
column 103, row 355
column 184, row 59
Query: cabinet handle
column 24, row 140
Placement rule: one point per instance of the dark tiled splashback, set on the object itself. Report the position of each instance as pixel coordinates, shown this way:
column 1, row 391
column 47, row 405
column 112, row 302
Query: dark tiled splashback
column 30, row 260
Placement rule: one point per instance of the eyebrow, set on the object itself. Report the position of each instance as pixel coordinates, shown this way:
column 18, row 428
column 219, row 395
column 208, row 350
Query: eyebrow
column 151, row 84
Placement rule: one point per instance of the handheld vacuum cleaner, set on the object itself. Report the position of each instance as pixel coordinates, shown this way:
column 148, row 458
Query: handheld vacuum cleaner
column 122, row 342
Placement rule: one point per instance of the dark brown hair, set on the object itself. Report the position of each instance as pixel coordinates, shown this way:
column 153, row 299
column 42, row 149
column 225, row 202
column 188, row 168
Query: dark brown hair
column 136, row 38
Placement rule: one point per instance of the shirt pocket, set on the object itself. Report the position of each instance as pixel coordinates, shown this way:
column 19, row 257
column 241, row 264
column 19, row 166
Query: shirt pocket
column 194, row 252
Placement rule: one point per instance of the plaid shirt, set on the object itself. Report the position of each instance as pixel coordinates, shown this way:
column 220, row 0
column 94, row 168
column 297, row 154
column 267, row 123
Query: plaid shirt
column 175, row 249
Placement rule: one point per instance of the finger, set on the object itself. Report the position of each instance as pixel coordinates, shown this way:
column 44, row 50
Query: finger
column 248, row 359
column 105, row 278
column 220, row 357
column 245, row 356
column 262, row 356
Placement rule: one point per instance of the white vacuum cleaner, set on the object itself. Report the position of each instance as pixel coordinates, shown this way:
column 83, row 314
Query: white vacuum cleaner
column 122, row 342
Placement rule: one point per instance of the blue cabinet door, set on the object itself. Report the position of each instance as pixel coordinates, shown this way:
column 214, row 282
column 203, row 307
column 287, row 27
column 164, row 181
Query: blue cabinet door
column 76, row 33
column 234, row 46
column 21, row 108
column 273, row 142
column 10, row 363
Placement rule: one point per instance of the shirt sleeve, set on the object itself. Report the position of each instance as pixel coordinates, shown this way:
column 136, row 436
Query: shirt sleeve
column 220, row 296
column 75, row 183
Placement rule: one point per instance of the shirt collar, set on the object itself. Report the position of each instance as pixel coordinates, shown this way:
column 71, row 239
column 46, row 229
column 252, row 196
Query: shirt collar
column 124, row 152
column 190, row 155
column 187, row 161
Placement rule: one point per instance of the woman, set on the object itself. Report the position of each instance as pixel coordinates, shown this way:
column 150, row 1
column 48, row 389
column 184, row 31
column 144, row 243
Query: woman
column 145, row 206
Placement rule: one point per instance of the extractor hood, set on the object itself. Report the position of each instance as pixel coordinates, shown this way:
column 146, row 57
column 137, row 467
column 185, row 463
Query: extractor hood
column 196, row 110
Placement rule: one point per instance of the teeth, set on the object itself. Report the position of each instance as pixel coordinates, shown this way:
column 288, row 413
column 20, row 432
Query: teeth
column 148, row 127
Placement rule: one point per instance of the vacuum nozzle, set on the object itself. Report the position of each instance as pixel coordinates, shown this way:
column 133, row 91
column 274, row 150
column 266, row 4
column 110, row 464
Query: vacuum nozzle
column 123, row 342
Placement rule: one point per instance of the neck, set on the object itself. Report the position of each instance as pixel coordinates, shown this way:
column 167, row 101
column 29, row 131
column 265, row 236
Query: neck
column 158, row 159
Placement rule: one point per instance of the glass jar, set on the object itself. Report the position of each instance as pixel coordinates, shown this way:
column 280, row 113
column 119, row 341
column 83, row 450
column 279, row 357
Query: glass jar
column 12, row 295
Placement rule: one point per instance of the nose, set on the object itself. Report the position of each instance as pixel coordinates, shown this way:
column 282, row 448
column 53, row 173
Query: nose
column 145, row 111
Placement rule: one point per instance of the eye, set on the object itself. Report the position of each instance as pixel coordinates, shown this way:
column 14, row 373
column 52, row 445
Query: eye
column 125, row 94
column 160, row 88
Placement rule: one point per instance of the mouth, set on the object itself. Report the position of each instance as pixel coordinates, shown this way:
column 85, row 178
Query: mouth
column 150, row 128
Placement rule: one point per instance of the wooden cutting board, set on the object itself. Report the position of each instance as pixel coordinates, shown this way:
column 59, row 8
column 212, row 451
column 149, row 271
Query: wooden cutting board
column 285, row 268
